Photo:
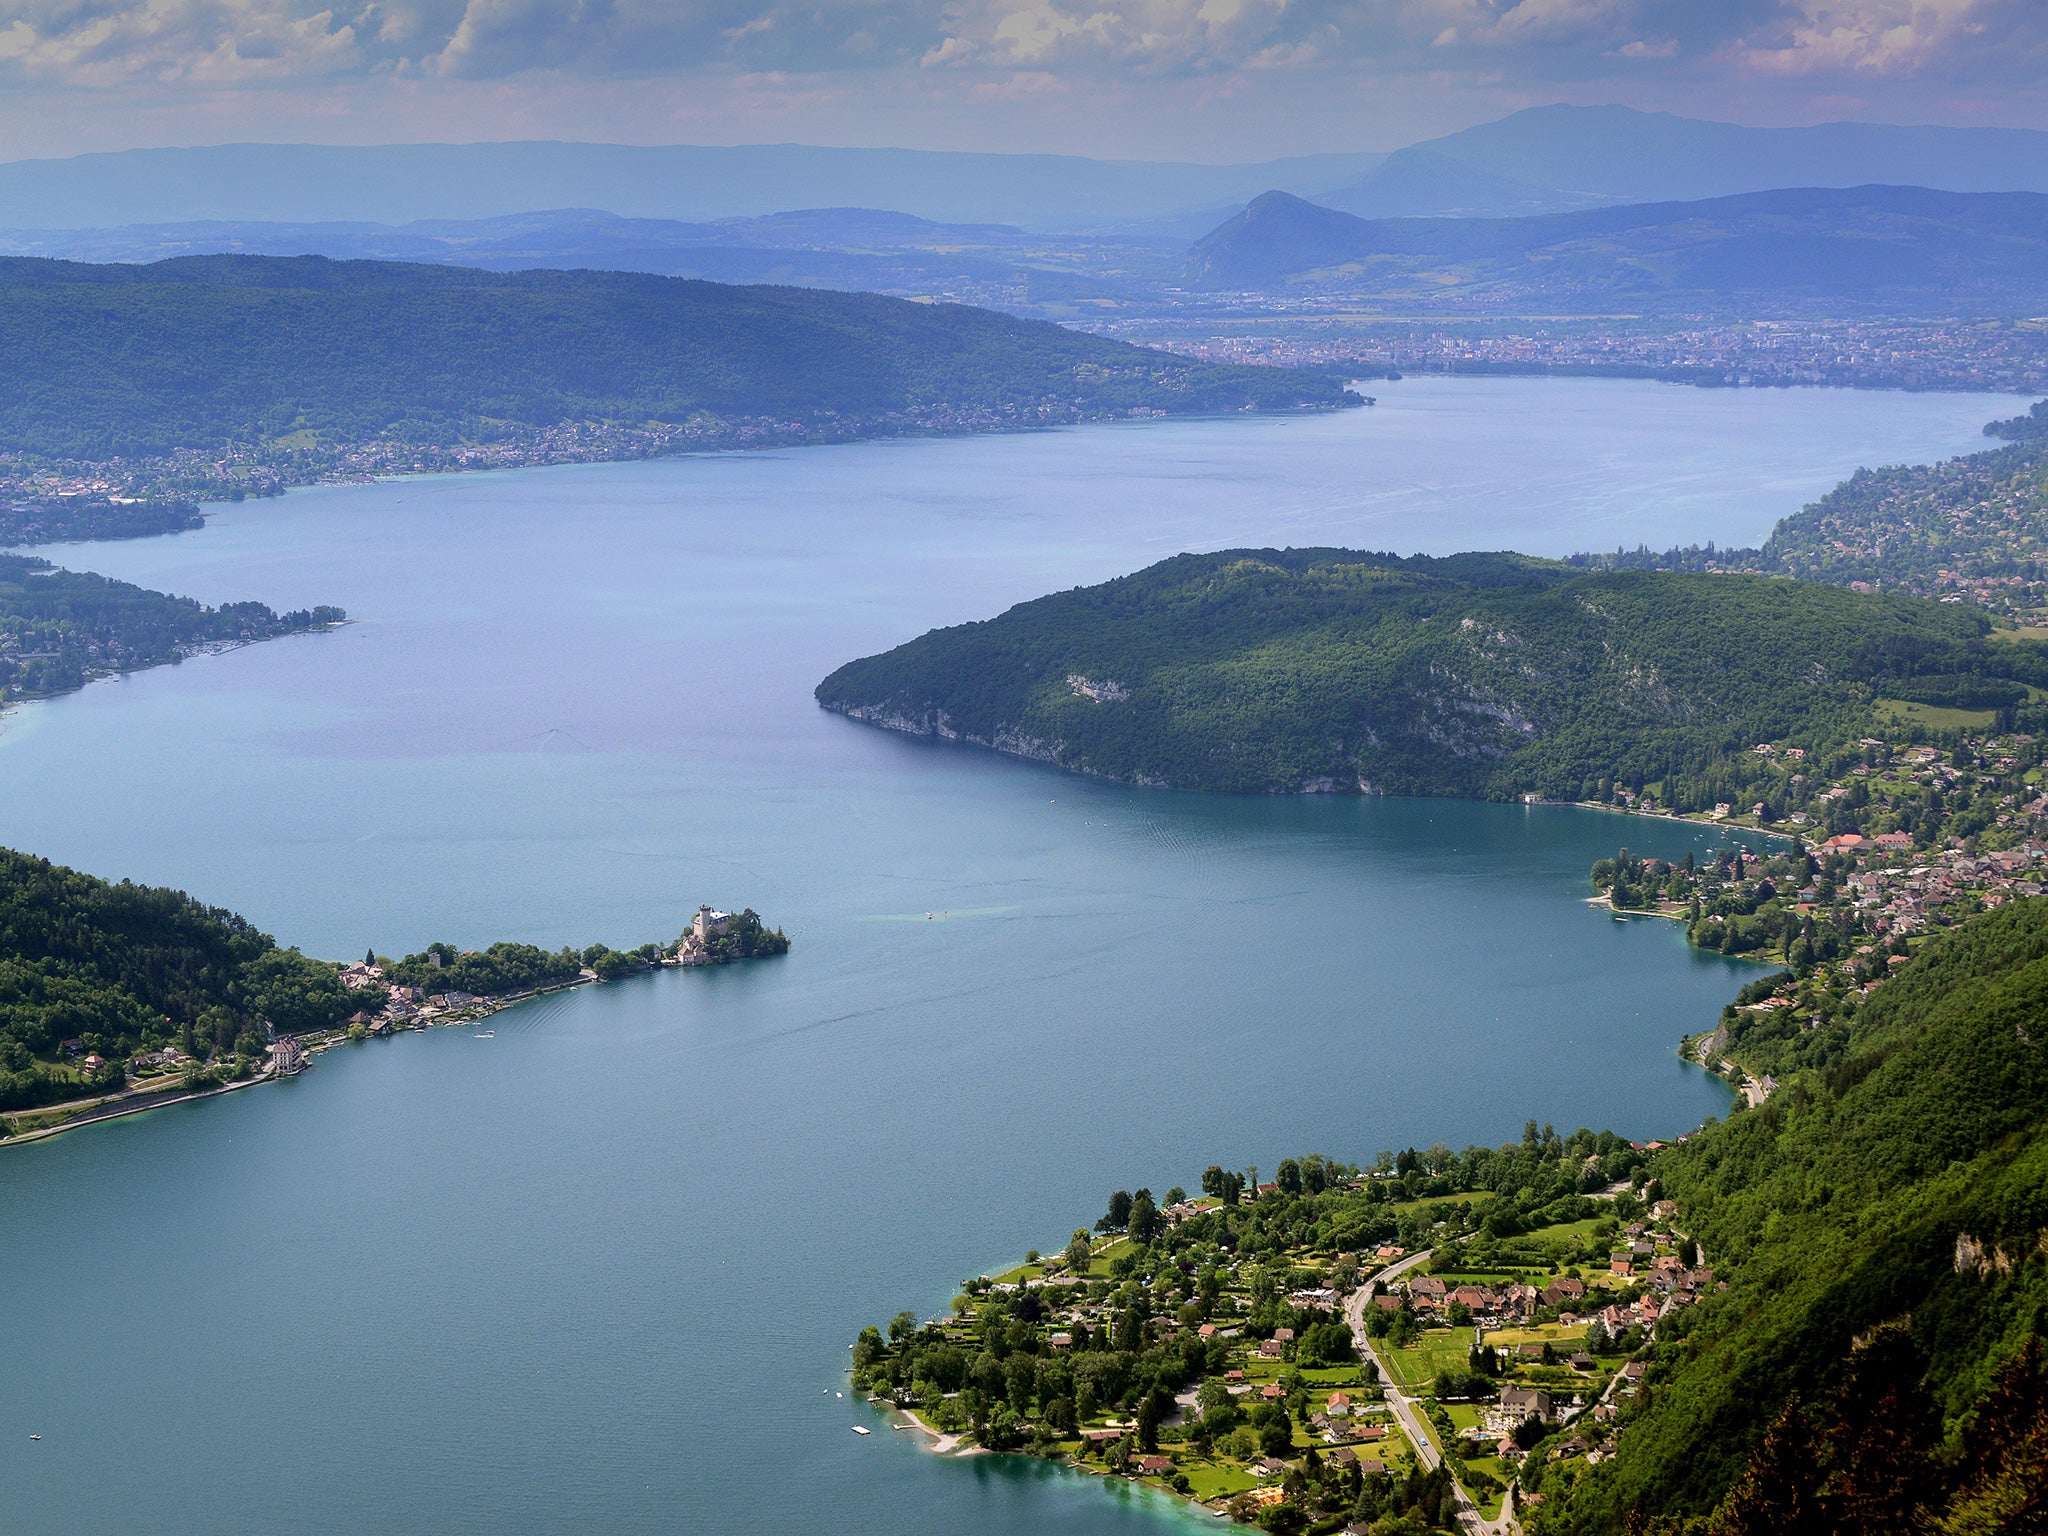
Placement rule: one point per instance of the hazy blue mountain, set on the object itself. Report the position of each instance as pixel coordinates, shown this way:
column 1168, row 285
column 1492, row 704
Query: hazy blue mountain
column 1547, row 159
column 550, row 237
column 1420, row 183
column 848, row 248
column 396, row 184
column 1798, row 249
column 1552, row 159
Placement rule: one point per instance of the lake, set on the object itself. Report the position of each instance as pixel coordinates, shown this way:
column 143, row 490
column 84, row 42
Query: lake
column 599, row 1273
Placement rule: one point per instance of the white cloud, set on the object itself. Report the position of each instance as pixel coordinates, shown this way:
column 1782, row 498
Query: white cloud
column 1512, row 42
column 204, row 41
column 1879, row 37
column 951, row 50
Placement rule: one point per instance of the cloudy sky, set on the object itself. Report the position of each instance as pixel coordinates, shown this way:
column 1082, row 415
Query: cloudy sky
column 1195, row 79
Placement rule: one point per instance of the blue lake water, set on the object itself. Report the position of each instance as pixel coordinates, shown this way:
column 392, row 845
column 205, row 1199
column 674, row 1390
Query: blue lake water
column 598, row 1274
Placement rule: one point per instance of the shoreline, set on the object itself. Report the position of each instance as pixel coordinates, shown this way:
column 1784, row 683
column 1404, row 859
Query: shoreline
column 689, row 953
column 134, row 1102
column 183, row 653
column 120, row 1106
column 377, row 459
column 1677, row 816
column 943, row 1442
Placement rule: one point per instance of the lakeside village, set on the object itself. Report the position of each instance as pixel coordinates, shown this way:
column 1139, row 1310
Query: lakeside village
column 1409, row 1347
column 1334, row 332
column 442, row 985
column 1881, row 845
column 170, row 480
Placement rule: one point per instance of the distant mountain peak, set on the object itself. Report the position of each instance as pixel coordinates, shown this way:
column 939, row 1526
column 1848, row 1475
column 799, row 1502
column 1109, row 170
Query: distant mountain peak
column 1789, row 250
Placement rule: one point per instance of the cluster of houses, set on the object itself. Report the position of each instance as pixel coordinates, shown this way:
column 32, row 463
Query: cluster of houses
column 1909, row 354
column 1902, row 898
column 1431, row 1300
column 88, row 1061
column 402, row 1004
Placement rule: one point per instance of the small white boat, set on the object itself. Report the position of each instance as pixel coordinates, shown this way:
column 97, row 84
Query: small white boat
column 489, row 1034
column 35, row 1437
column 862, row 1429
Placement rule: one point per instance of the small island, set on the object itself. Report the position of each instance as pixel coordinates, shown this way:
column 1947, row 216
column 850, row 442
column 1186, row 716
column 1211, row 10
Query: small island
column 116, row 999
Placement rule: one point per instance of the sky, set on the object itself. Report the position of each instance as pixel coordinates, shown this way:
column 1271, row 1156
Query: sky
column 1213, row 80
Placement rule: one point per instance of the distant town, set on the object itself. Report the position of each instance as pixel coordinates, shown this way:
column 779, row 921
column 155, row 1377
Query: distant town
column 1328, row 332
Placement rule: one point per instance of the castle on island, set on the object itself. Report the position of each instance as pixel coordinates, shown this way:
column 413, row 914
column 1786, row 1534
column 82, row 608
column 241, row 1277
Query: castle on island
column 707, row 925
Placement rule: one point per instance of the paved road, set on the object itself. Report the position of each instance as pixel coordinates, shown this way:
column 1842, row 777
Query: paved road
column 1404, row 1406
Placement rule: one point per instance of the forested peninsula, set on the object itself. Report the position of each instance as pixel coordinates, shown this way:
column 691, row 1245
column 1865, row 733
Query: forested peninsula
column 1489, row 675
column 208, row 375
column 1500, row 675
column 1821, row 1315
column 116, row 998
column 60, row 629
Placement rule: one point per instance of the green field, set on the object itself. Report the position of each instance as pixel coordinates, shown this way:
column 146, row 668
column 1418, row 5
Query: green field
column 1463, row 1197
column 1212, row 1479
column 1433, row 1350
column 1900, row 712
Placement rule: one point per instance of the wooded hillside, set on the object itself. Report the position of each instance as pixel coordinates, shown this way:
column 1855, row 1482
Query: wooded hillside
column 1487, row 675
column 1874, row 1365
column 206, row 351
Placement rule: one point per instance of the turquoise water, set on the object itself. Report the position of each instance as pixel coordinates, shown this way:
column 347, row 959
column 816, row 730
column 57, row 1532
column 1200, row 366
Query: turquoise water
column 599, row 1273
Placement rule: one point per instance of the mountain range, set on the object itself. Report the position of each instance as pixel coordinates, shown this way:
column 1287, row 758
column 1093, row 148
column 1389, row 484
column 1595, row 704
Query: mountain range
column 1543, row 160
column 401, row 183
column 1799, row 249
column 1554, row 159
column 849, row 248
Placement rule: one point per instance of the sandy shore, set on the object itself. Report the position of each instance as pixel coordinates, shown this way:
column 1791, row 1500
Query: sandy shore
column 941, row 1443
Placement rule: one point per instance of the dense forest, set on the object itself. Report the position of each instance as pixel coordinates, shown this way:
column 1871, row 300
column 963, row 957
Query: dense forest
column 1875, row 1365
column 1484, row 675
column 59, row 629
column 93, row 969
column 108, row 362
